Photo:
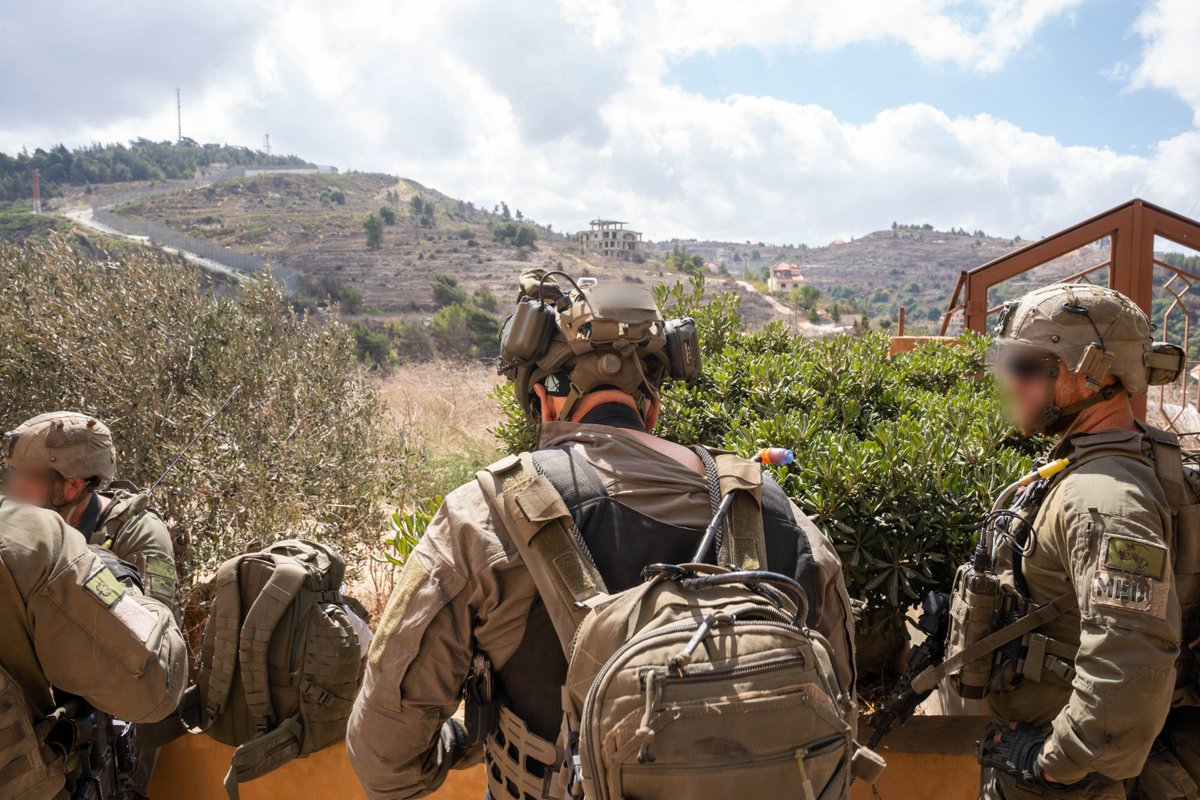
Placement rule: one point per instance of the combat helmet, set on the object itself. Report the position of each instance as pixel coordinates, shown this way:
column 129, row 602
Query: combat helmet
column 1096, row 332
column 73, row 445
column 590, row 336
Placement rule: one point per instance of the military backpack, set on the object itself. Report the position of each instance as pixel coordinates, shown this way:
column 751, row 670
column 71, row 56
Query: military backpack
column 280, row 662
column 701, row 681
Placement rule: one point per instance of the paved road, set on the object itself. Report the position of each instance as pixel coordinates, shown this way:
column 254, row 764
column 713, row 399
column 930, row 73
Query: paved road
column 84, row 217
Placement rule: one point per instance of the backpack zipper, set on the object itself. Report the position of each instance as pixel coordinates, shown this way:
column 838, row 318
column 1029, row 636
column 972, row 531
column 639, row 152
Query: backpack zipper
column 701, row 675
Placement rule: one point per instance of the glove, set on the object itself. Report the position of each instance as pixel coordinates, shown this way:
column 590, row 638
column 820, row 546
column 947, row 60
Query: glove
column 1014, row 752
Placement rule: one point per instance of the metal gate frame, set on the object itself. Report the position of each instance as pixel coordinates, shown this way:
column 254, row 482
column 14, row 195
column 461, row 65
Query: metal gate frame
column 1130, row 228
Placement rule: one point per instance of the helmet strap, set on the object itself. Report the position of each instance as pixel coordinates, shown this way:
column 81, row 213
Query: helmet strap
column 1056, row 420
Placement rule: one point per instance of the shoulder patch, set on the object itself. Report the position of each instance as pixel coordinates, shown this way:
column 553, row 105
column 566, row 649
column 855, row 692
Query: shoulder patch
column 160, row 576
column 139, row 620
column 1122, row 590
column 105, row 587
column 1135, row 557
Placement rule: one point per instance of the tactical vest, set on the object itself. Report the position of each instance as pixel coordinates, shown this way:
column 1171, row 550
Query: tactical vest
column 531, row 736
column 994, row 641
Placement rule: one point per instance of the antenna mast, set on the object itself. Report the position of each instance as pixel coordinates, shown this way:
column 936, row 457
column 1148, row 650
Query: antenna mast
column 178, row 118
column 267, row 143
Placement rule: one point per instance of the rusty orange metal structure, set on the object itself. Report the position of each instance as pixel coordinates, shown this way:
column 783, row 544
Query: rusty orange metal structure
column 1130, row 231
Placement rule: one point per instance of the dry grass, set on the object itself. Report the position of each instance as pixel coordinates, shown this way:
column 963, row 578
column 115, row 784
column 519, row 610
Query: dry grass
column 445, row 403
column 441, row 407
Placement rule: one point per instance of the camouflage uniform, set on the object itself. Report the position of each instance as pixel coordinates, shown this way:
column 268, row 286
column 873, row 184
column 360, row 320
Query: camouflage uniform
column 1104, row 685
column 1097, row 680
column 466, row 588
column 129, row 526
column 67, row 624
column 117, row 519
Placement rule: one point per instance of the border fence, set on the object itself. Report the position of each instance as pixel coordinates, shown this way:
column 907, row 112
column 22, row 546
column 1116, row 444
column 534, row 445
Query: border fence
column 160, row 234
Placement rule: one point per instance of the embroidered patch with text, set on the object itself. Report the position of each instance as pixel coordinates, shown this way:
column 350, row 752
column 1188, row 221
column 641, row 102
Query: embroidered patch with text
column 160, row 577
column 1135, row 557
column 105, row 587
column 1129, row 592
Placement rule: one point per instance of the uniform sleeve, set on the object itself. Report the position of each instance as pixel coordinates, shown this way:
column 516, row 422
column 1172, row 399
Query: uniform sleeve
column 835, row 621
column 119, row 650
column 1114, row 536
column 401, row 738
column 145, row 542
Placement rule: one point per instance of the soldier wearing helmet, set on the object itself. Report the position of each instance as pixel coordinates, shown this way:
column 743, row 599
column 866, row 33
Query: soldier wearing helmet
column 66, row 462
column 587, row 365
column 1078, row 705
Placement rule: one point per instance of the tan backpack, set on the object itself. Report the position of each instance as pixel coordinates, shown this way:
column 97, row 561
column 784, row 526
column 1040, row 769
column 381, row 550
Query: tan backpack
column 703, row 681
column 1179, row 474
column 280, row 661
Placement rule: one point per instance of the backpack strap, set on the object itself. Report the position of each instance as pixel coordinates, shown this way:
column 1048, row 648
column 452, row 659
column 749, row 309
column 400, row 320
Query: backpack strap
column 927, row 680
column 537, row 518
column 268, row 608
column 221, row 635
column 1168, row 465
column 745, row 544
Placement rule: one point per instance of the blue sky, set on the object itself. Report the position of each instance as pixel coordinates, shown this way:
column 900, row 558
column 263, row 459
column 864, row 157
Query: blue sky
column 770, row 120
column 1067, row 82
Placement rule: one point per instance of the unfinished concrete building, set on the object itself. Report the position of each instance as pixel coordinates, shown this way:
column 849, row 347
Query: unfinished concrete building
column 611, row 238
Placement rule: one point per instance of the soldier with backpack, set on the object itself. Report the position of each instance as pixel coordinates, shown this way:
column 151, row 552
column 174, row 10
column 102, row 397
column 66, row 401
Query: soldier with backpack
column 1068, row 619
column 624, row 616
column 66, row 461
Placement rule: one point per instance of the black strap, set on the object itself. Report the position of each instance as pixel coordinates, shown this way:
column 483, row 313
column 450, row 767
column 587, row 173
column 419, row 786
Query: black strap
column 91, row 516
column 713, row 482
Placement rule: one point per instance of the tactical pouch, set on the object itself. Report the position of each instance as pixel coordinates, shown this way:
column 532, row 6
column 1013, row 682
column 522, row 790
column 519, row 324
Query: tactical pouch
column 975, row 604
column 481, row 707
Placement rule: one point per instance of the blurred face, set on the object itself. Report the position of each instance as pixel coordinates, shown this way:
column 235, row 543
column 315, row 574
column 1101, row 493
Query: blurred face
column 1025, row 378
column 41, row 487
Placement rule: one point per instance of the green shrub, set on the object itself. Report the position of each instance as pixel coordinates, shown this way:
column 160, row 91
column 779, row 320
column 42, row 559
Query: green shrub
column 446, row 291
column 516, row 234
column 143, row 343
column 462, row 330
column 373, row 225
column 896, row 459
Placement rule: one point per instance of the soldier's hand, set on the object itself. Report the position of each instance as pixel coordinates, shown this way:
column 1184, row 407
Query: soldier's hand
column 1014, row 750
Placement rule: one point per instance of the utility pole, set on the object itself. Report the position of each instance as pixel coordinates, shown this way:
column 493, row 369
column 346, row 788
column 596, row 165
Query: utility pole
column 178, row 118
column 37, row 193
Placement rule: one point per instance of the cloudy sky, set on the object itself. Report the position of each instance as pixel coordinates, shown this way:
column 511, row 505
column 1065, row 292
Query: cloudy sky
column 777, row 120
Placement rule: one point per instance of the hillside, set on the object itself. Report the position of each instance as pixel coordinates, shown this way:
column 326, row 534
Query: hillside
column 314, row 224
column 910, row 266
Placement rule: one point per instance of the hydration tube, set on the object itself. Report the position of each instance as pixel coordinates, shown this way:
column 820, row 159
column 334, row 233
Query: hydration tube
column 987, row 542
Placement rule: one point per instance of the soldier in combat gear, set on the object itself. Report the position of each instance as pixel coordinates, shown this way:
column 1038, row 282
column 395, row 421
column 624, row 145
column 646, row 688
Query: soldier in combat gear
column 1078, row 703
column 66, row 462
column 465, row 597
column 70, row 626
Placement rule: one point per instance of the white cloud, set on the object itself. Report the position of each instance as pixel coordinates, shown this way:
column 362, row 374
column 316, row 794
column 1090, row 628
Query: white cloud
column 1171, row 30
column 561, row 108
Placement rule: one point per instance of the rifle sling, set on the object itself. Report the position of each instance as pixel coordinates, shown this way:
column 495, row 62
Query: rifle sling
column 931, row 677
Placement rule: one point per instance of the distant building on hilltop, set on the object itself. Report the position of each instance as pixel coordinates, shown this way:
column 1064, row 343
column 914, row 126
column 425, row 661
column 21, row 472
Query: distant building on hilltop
column 784, row 277
column 610, row 237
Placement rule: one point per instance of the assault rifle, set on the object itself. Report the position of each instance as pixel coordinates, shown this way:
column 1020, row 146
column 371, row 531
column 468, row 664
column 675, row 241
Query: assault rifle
column 903, row 700
column 99, row 753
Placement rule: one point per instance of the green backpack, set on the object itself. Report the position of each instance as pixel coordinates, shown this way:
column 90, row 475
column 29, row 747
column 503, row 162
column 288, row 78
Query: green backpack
column 703, row 681
column 280, row 661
